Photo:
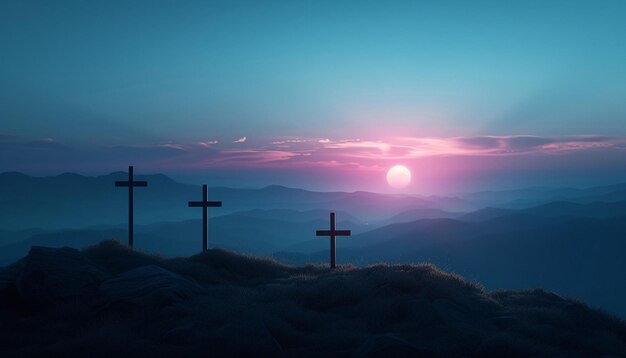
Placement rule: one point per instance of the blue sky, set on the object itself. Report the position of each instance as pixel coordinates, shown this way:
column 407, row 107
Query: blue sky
column 92, row 75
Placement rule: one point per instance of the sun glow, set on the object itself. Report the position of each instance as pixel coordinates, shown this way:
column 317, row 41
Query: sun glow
column 398, row 177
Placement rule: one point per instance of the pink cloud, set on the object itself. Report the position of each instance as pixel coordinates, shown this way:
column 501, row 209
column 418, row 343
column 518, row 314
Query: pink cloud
column 444, row 157
column 240, row 140
column 249, row 157
column 379, row 154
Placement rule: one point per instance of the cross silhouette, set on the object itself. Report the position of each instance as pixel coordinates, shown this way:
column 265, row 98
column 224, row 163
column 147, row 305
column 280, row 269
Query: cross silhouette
column 205, row 204
column 333, row 233
column 130, row 184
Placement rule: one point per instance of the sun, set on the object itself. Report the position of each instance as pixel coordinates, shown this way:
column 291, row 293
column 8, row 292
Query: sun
column 398, row 176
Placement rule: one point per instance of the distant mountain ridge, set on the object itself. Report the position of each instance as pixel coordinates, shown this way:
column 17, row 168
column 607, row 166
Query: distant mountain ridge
column 554, row 209
column 73, row 201
column 527, row 197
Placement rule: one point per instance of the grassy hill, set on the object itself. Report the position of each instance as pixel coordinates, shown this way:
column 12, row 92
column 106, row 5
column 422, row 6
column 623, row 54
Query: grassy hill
column 109, row 300
column 581, row 257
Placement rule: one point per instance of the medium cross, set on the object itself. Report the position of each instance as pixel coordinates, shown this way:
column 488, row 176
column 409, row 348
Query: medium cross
column 205, row 204
column 130, row 184
column 333, row 233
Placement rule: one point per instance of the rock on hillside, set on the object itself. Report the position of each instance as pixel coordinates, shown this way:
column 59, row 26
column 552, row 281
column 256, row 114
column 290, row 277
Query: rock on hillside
column 47, row 275
column 149, row 285
column 109, row 300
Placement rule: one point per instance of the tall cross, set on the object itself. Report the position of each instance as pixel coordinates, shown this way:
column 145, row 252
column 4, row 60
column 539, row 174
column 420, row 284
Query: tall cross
column 130, row 184
column 205, row 204
column 333, row 233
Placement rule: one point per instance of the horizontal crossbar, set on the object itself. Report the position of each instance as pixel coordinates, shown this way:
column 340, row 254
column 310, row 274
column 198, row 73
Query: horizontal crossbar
column 135, row 183
column 333, row 233
column 209, row 204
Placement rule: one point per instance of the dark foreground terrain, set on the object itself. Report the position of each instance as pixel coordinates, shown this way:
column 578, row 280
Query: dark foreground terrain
column 108, row 300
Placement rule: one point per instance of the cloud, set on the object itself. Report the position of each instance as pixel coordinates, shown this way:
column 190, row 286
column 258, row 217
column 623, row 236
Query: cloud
column 289, row 141
column 522, row 143
column 296, row 152
column 366, row 154
column 479, row 142
column 249, row 157
column 43, row 143
column 207, row 144
column 529, row 143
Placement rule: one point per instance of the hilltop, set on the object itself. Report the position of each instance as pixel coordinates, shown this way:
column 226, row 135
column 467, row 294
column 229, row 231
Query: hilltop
column 108, row 299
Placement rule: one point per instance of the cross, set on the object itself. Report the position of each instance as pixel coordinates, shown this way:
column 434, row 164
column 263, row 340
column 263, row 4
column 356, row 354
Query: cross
column 333, row 233
column 130, row 184
column 205, row 204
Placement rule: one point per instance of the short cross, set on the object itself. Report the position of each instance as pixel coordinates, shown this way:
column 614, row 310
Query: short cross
column 333, row 233
column 130, row 184
column 205, row 204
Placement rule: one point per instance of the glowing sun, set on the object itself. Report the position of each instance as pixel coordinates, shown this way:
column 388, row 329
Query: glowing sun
column 398, row 176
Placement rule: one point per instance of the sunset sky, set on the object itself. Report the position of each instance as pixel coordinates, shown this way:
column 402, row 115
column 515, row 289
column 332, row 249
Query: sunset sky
column 327, row 95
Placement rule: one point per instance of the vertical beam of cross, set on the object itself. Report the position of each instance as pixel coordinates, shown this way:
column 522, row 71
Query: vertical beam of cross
column 205, row 204
column 333, row 233
column 130, row 184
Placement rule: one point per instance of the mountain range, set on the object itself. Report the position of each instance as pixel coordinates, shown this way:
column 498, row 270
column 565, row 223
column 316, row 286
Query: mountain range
column 76, row 201
column 563, row 242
